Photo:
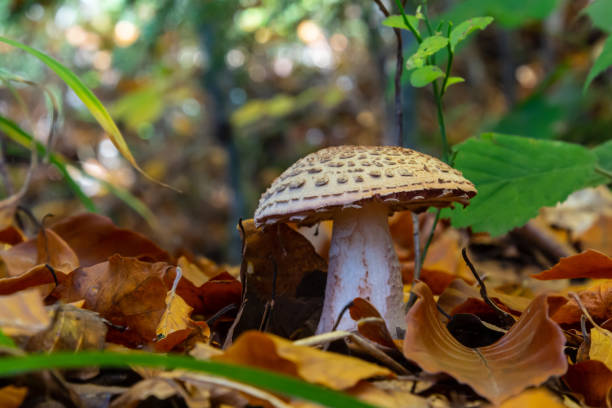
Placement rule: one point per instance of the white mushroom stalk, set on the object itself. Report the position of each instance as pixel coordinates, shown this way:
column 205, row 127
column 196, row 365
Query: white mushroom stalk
column 362, row 263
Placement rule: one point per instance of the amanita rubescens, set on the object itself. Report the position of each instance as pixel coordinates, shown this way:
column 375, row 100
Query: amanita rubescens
column 359, row 187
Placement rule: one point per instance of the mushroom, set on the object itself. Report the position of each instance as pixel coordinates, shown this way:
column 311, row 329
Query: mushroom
column 358, row 187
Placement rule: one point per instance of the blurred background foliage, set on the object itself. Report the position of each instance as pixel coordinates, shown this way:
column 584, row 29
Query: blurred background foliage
column 216, row 98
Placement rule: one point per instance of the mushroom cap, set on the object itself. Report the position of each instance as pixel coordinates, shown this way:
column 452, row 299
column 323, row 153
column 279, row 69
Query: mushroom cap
column 318, row 185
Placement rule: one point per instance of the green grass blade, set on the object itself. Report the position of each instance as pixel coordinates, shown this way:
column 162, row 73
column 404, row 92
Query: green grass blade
column 259, row 378
column 88, row 98
column 23, row 138
column 20, row 136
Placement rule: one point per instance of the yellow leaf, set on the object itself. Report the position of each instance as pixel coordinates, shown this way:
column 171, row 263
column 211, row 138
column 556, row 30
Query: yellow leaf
column 601, row 346
column 23, row 313
column 534, row 398
column 175, row 317
column 274, row 353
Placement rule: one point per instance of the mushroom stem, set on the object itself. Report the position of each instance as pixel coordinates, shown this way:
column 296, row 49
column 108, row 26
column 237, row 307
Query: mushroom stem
column 362, row 263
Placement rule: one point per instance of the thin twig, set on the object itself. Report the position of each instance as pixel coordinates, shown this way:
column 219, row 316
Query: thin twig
column 507, row 317
column 417, row 258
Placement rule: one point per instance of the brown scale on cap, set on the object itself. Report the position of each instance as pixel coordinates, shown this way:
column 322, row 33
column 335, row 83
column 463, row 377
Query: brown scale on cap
column 323, row 182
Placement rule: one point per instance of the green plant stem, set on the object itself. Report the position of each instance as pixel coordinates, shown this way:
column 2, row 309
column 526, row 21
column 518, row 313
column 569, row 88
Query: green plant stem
column 449, row 63
column 441, row 125
column 259, row 378
column 412, row 29
column 603, row 172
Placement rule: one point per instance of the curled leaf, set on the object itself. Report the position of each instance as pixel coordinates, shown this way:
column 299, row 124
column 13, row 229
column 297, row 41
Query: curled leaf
column 588, row 264
column 527, row 355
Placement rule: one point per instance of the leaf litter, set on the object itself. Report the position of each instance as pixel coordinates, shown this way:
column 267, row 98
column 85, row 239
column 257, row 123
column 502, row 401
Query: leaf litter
column 83, row 283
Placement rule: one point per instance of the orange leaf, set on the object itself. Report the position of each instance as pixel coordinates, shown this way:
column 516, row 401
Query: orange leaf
column 591, row 379
column 597, row 300
column 588, row 264
column 535, row 398
column 274, row 353
column 375, row 330
column 95, row 238
column 12, row 235
column 527, row 355
column 12, row 397
column 126, row 291
column 23, row 313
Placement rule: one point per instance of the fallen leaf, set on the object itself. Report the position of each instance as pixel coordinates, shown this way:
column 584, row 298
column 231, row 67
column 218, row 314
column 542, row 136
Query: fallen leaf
column 95, row 238
column 601, row 346
column 23, row 313
column 12, row 235
column 279, row 249
column 218, row 292
column 527, row 355
column 598, row 235
column 71, row 329
column 373, row 327
column 12, row 397
column 459, row 292
column 127, row 292
column 274, row 353
column 160, row 388
column 534, row 398
column 588, row 264
column 386, row 396
column 591, row 379
column 175, row 324
column 596, row 299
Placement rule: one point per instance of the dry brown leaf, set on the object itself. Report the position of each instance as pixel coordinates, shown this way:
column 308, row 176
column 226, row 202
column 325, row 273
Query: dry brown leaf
column 598, row 236
column 26, row 263
column 373, row 328
column 527, row 355
column 159, row 388
column 293, row 255
column 72, row 329
column 23, row 313
column 459, row 291
column 534, row 398
column 95, row 238
column 588, row 264
column 274, row 353
column 12, row 397
column 591, row 379
column 597, row 300
column 386, row 397
column 128, row 292
column 12, row 235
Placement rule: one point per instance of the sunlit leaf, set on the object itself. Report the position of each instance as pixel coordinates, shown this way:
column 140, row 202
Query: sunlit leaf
column 600, row 11
column 23, row 313
column 462, row 30
column 397, row 21
column 515, row 177
column 603, row 62
column 452, row 81
column 429, row 46
column 425, row 75
column 601, row 346
column 274, row 353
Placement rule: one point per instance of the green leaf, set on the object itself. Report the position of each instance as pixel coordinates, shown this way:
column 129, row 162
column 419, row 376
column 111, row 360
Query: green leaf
column 425, row 75
column 88, row 98
column 603, row 62
column 464, row 29
column 515, row 177
column 282, row 384
column 397, row 21
column 429, row 46
column 604, row 163
column 600, row 11
column 452, row 81
column 510, row 14
column 6, row 341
